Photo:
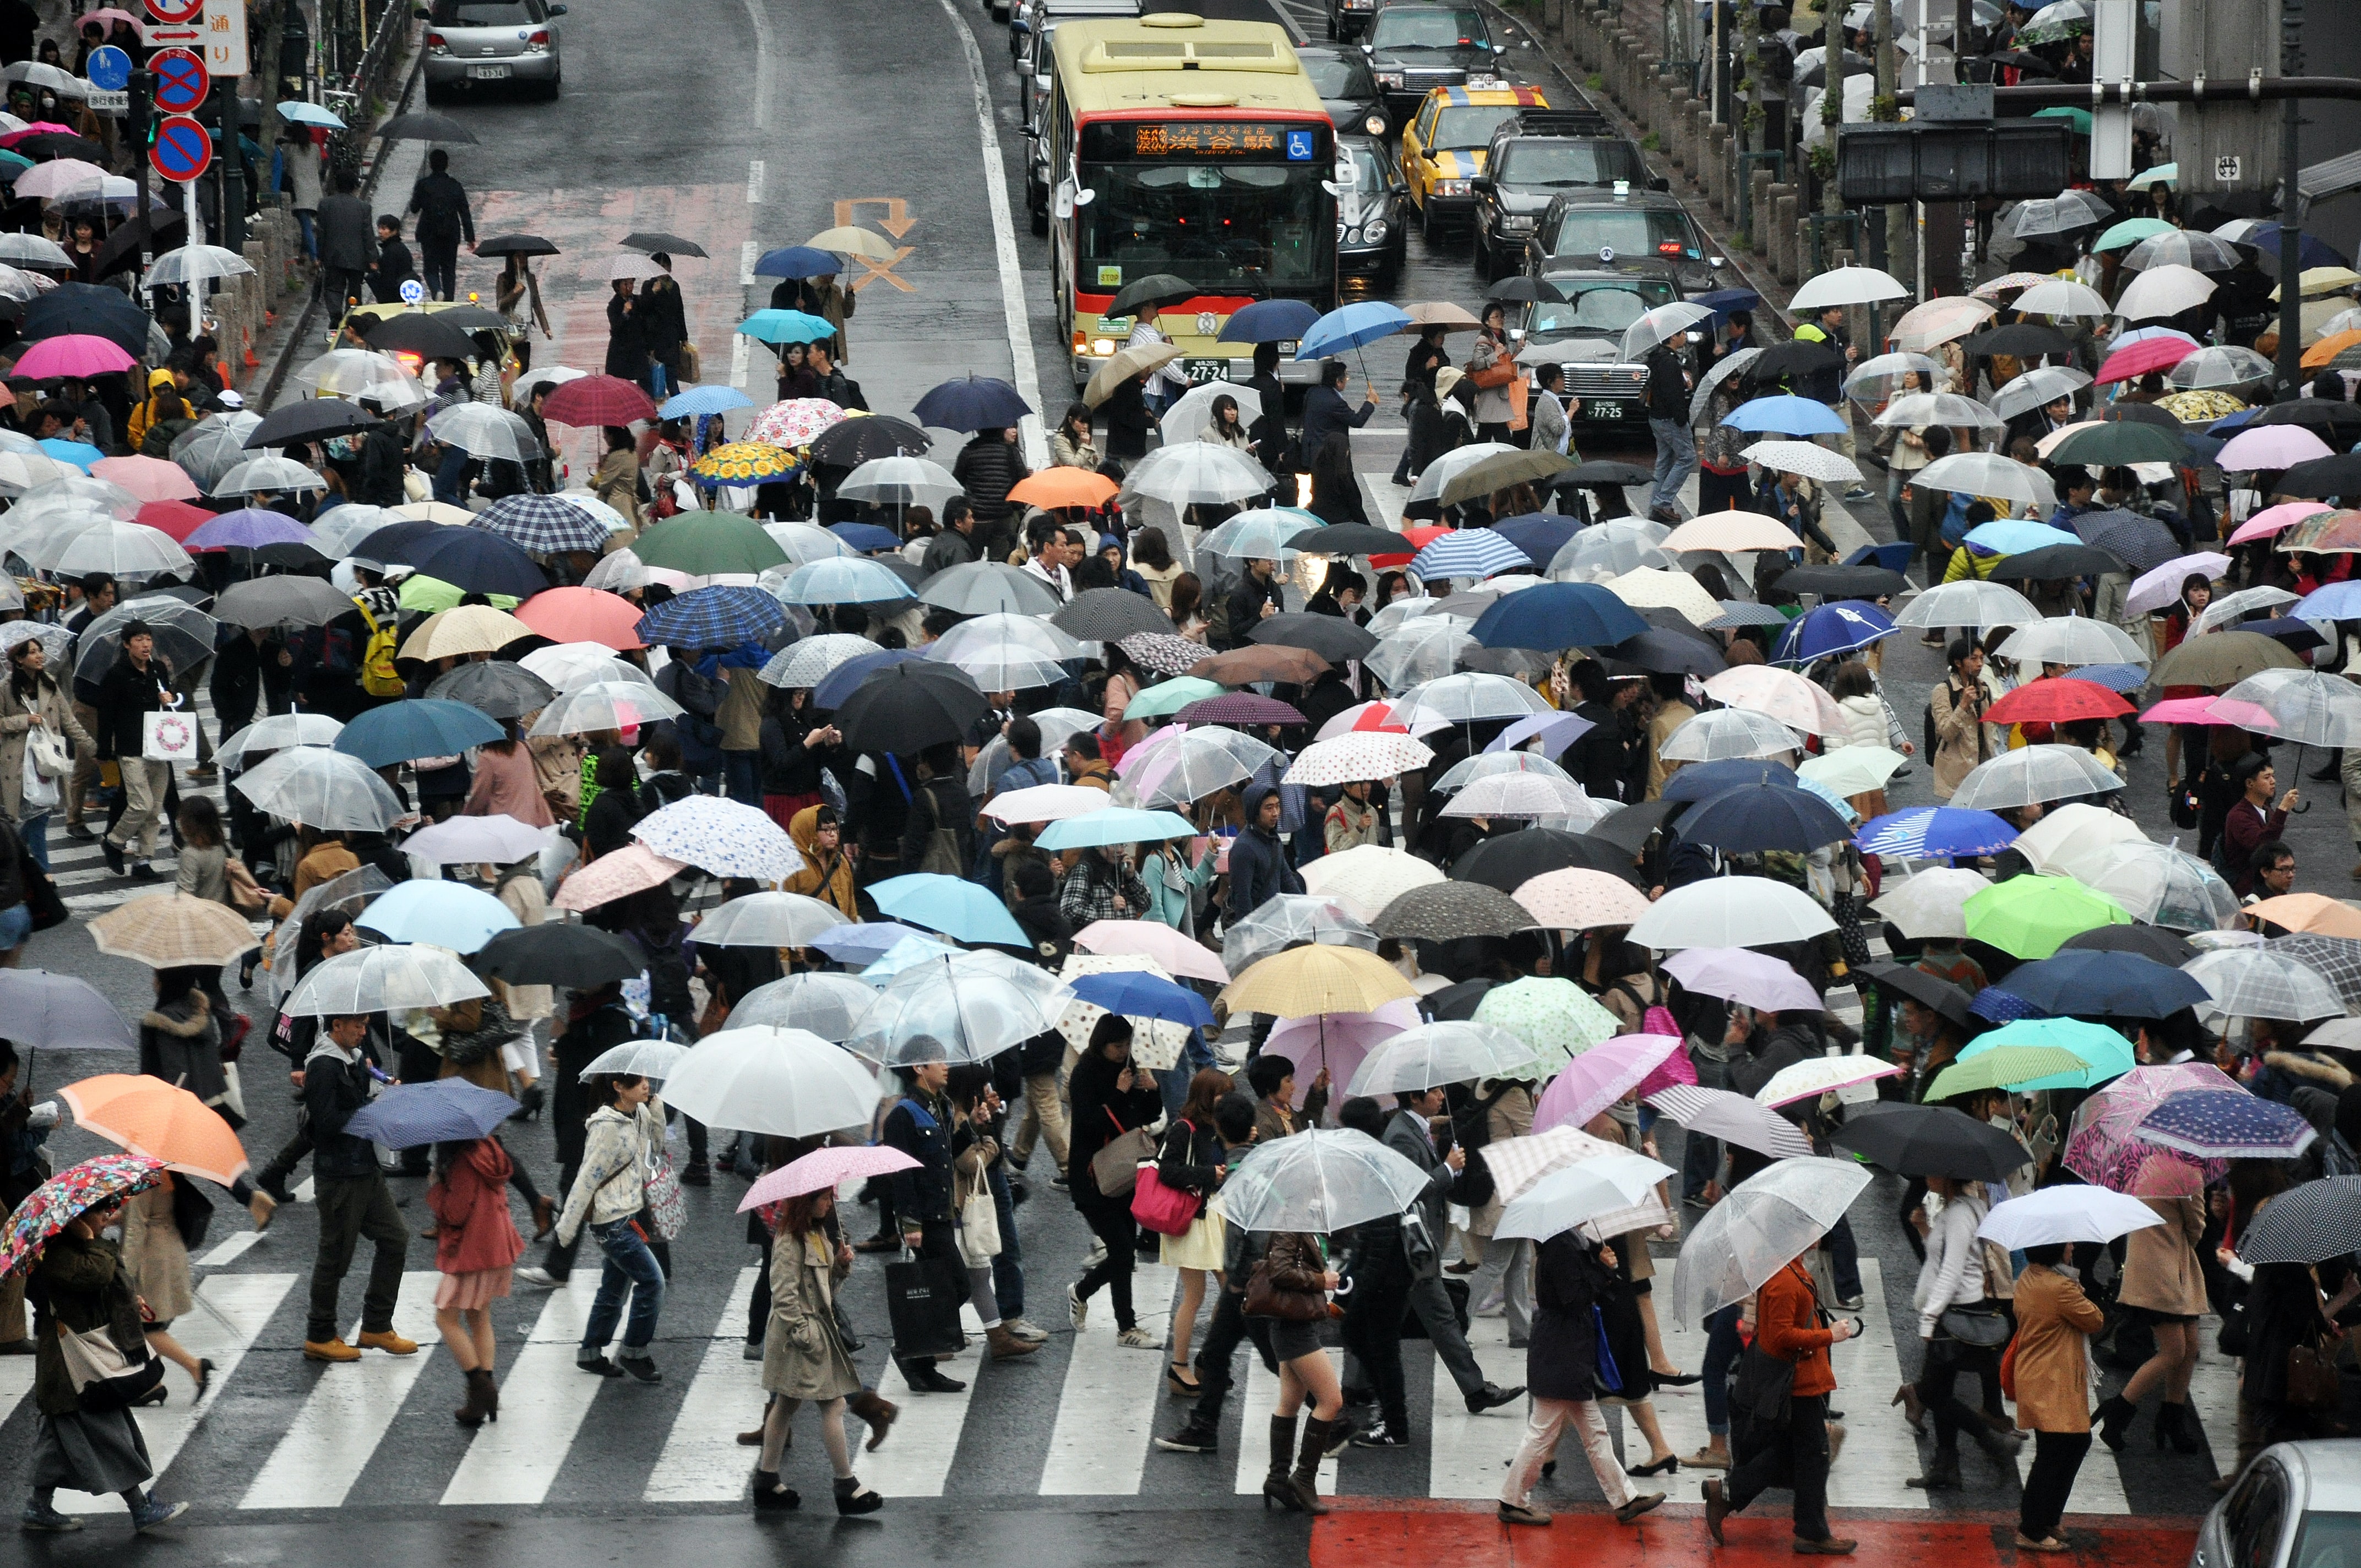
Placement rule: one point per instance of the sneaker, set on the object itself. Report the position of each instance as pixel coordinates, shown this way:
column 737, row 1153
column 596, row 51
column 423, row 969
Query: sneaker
column 640, row 1368
column 1059, row 1181
column 1137, row 1338
column 154, row 1512
column 1033, row 1333
column 1380, row 1436
column 538, row 1278
column 753, row 1351
column 1193, row 1438
column 1095, row 1255
column 1851, row 1303
column 49, row 1521
column 1076, row 1308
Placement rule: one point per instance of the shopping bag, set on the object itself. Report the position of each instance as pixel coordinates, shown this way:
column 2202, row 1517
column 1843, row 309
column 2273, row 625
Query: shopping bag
column 979, row 1228
column 168, row 736
column 40, row 790
column 922, row 1302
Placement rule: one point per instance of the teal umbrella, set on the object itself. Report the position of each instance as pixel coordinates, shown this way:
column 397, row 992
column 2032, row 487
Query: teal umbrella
column 2109, row 1054
column 2131, row 231
column 1116, row 825
column 2079, row 120
column 1168, row 697
column 794, row 327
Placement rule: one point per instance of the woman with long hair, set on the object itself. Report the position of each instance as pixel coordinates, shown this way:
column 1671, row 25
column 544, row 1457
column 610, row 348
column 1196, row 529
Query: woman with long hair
column 1151, row 557
column 1222, row 427
column 476, row 1249
column 1070, row 444
column 803, row 1355
column 507, row 783
column 1187, row 607
column 31, row 699
column 1190, row 1160
column 1110, row 1097
column 2172, row 630
column 517, row 296
column 608, row 1194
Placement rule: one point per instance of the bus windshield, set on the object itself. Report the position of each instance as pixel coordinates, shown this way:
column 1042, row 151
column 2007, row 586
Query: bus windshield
column 1220, row 225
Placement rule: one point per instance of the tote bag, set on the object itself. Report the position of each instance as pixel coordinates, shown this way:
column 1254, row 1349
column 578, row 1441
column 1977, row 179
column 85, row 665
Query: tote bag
column 979, row 1228
column 1116, row 1167
column 103, row 1377
column 168, row 736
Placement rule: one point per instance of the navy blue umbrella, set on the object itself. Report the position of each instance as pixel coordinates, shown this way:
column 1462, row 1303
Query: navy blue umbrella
column 2121, row 679
column 1832, row 629
column 1750, row 819
column 722, row 616
column 389, row 543
column 416, row 727
column 2227, row 1123
column 972, row 402
column 1997, row 1006
column 797, row 261
column 1268, row 321
column 1892, row 557
column 2082, row 984
column 865, row 537
column 846, row 678
column 1557, row 615
column 1670, row 653
column 1540, row 534
column 476, row 562
column 2296, row 634
column 1701, row 780
column 1139, row 994
column 449, row 1110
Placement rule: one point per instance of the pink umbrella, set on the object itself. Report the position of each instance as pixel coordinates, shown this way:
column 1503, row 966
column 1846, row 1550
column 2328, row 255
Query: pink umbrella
column 2128, row 364
column 825, row 1169
column 78, row 355
column 2277, row 519
column 1139, row 756
column 2208, row 710
column 1153, row 940
column 2270, row 446
column 149, row 479
column 1599, row 1077
column 36, row 128
column 1336, row 1041
column 628, row 870
column 62, row 177
column 1738, row 974
column 2104, row 1145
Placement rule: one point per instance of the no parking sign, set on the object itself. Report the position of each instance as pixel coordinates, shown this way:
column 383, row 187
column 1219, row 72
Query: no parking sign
column 183, row 148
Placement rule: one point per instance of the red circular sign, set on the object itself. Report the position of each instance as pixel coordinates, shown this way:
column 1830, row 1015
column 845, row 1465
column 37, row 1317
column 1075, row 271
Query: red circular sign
column 183, row 148
column 182, row 80
column 176, row 11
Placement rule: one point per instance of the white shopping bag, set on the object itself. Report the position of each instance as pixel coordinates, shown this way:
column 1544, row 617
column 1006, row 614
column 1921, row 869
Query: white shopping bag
column 170, row 737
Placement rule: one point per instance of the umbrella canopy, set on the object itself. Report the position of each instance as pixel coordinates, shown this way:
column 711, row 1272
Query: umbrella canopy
column 1007, row 652
column 2227, row 1123
column 419, row 727
column 447, row 913
column 958, row 1008
column 709, row 543
column 723, row 837
column 383, row 979
column 2068, row 1214
column 2310, row 1223
column 1320, row 1180
column 2102, row 1053
column 2034, row 776
column 1286, row 919
column 787, row 1082
column 1765, row 1223
column 1550, row 616
column 1933, row 1140
column 632, row 868
column 2160, row 885
column 172, row 931
column 1447, row 911
column 767, row 920
column 92, row 1184
column 321, row 788
column 1593, row 1192
column 1116, row 825
column 1367, row 878
column 449, row 1110
column 1431, row 1055
column 1733, row 1118
column 1928, row 903
column 1556, row 1017
column 1599, row 1077
column 958, row 908
column 2029, row 916
column 2089, row 983
column 911, row 704
column 559, row 954
column 1577, row 898
column 991, row 587
column 822, row 1170
column 1154, row 940
column 1751, row 820
column 2262, row 982
column 1729, row 733
column 1109, row 615
column 829, row 1006
column 1322, row 977
column 604, row 705
column 162, row 1120
column 496, row 839
column 1816, row 1076
column 1736, row 974
column 1730, row 912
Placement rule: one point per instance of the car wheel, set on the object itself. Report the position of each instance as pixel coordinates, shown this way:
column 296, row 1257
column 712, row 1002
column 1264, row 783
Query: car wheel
column 1426, row 229
column 556, row 85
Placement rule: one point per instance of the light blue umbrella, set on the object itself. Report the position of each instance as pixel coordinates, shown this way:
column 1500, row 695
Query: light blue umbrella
column 446, row 914
column 1786, row 415
column 695, row 400
column 2015, row 536
column 1260, row 535
column 863, row 942
column 1350, row 326
column 1115, row 825
column 2109, row 1054
column 785, row 326
column 1467, row 552
column 302, row 113
column 913, row 948
column 958, row 908
column 2337, row 601
column 80, row 454
column 843, row 579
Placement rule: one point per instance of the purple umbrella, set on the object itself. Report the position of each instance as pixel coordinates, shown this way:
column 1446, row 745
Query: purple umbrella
column 1239, row 708
column 1736, row 974
column 248, row 527
column 1598, row 1078
column 2227, row 1123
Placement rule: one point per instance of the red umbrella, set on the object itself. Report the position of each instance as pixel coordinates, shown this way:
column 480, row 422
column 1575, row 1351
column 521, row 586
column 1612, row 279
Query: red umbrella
column 2148, row 354
column 583, row 615
column 598, row 400
column 1417, row 538
column 2058, row 701
column 178, row 518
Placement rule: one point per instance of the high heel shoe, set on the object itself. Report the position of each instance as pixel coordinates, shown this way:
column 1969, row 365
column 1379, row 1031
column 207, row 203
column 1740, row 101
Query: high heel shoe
column 529, row 1103
column 2114, row 1416
column 204, row 1375
column 1914, row 1412
column 1675, row 1379
column 1181, row 1388
column 246, row 975
column 1669, row 1464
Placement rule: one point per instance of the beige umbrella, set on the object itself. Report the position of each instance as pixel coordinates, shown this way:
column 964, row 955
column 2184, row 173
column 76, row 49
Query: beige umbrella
column 1736, row 531
column 435, row 511
column 1127, row 363
column 463, row 629
column 1652, row 587
column 850, row 241
column 172, row 931
column 1320, row 978
column 1940, row 321
column 1442, row 314
column 1580, row 899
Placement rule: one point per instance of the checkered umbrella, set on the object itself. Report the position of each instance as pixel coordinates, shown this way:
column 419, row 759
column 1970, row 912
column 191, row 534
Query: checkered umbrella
column 2141, row 542
column 2260, row 982
column 2227, row 1123
column 2317, row 1221
column 720, row 617
column 543, row 525
column 2337, row 960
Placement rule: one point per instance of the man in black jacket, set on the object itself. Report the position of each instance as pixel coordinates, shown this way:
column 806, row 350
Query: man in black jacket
column 137, row 684
column 1667, row 400
column 1601, row 761
column 1253, row 599
column 346, row 245
column 1266, row 437
column 988, row 468
column 392, row 267
column 1325, row 411
column 250, row 665
column 954, row 545
column 350, row 1193
column 441, row 203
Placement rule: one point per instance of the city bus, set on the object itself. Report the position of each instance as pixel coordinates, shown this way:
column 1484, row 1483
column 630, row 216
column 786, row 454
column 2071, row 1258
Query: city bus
column 1191, row 146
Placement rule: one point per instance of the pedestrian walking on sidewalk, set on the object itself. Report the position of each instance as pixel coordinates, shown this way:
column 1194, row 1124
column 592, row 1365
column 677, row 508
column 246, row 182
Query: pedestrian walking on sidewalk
column 475, row 1247
column 803, row 1355
column 1568, row 1368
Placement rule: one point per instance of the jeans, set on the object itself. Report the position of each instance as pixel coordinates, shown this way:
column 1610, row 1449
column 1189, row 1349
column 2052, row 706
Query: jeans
column 1008, row 1266
column 352, row 1207
column 440, row 260
column 1676, row 460
column 311, row 239
column 15, row 925
column 629, row 1266
column 2056, row 1455
column 1794, row 1456
column 35, row 831
column 1701, row 1155
column 741, row 775
column 1722, row 1350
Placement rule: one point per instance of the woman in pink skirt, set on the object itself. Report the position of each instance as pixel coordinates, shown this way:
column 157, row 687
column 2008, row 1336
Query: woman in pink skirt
column 476, row 1245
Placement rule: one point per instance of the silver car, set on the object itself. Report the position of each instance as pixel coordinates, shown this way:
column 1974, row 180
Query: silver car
column 2297, row 1505
column 472, row 43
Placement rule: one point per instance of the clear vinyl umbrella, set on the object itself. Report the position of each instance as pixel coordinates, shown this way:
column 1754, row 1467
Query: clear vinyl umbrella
column 1491, row 765
column 1007, row 652
column 322, row 788
column 2219, row 364
column 348, row 893
column 959, row 1007
column 571, row 667
column 1261, row 535
column 809, row 662
column 340, row 527
column 194, row 264
column 1285, row 919
column 790, row 1083
column 1320, row 1181
column 767, row 920
column 2257, row 982
column 2036, row 388
column 183, row 635
column 1988, row 474
column 120, row 549
column 1521, row 794
column 396, row 978
column 2164, row 886
column 1436, row 1054
column 2226, row 610
column 2071, row 640
column 899, row 481
column 1763, row 1223
column 481, row 430
column 638, row 1058
column 2305, row 707
column 604, row 705
column 214, row 446
column 1057, row 725
column 2034, row 775
column 1948, row 409
column 360, row 373
column 270, row 473
column 1969, row 603
column 1468, row 697
column 830, row 1006
column 1731, row 733
column 1608, row 550
column 1421, row 650
column 1196, row 763
column 806, row 543
column 1197, row 473
column 1443, row 469
column 277, row 732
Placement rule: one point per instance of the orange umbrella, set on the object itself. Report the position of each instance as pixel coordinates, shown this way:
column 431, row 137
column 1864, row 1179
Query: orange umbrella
column 583, row 615
column 1055, row 487
column 2312, row 912
column 149, row 1117
column 2317, row 356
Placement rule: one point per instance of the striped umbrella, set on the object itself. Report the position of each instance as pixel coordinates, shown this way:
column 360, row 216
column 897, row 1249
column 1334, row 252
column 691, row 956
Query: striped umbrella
column 1467, row 552
column 542, row 525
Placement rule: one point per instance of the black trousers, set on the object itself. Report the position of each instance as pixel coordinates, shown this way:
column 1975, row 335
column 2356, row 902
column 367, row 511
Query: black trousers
column 1110, row 1220
column 1229, row 1326
column 441, row 259
column 1372, row 1331
column 1794, row 1456
column 2056, row 1455
column 1946, row 1360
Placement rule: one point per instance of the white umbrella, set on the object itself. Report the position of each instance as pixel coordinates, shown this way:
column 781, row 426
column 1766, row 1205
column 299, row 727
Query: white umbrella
column 2184, row 247
column 2073, row 840
column 1730, row 911
column 1874, row 378
column 1816, row 1076
column 1364, row 879
column 1492, row 765
column 1468, row 697
column 899, row 481
column 2162, row 291
column 2062, row 297
column 604, row 705
column 768, row 920
column 2155, row 588
column 723, row 837
column 1852, row 769
column 482, row 429
column 497, row 840
column 1762, row 1225
column 2162, row 886
column 636, row 1058
column 2038, row 387
column 1815, row 463
column 1320, row 1181
column 193, row 264
column 360, row 373
column 283, row 729
column 1007, row 652
column 830, row 1006
column 1968, row 603
column 1723, row 733
column 1046, row 803
column 1194, row 409
column 2071, row 640
column 1937, row 321
column 123, row 549
column 787, row 1082
column 1579, row 1194
column 2258, row 983
column 1434, row 1054
column 2033, row 776
column 395, row 978
column 1608, row 550
column 340, row 528
column 322, row 788
column 1985, row 473
column 2090, row 1214
column 1443, row 469
column 1782, row 694
column 1356, row 755
column 1947, row 408
column 2305, row 706
column 1197, row 473
column 269, row 472
column 804, row 543
column 570, row 667
column 959, row 1007
column 1927, row 904
column 1661, row 324
column 1845, row 286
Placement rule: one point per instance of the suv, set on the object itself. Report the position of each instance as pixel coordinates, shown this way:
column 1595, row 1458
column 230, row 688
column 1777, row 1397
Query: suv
column 474, row 41
column 1585, row 333
column 1443, row 147
column 1533, row 157
column 1414, row 48
column 1589, row 227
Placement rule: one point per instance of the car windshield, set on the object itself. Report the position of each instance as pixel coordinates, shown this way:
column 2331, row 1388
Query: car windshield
column 1333, row 79
column 1596, row 163
column 485, row 13
column 2328, row 1540
column 1403, row 28
column 1216, row 224
column 1626, row 231
column 1596, row 306
column 1471, row 127
column 1358, row 168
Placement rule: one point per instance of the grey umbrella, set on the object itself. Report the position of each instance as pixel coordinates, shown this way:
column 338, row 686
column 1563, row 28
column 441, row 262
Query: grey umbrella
column 214, row 445
column 1331, row 637
column 2310, row 1223
column 1109, row 615
column 988, row 587
column 2338, row 960
column 281, row 602
column 1447, row 911
column 1728, row 365
column 500, row 689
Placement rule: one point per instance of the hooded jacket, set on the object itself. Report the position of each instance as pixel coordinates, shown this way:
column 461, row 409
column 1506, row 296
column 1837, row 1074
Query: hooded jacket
column 163, row 401
column 826, row 877
column 613, row 1180
column 1260, row 870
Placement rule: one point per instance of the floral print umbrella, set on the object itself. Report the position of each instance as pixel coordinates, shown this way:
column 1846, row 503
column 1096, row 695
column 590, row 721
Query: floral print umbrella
column 794, row 422
column 1556, row 1017
column 745, row 463
column 54, row 1203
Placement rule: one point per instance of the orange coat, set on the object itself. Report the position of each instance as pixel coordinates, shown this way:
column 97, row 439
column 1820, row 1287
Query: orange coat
column 2054, row 1320
column 1787, row 1325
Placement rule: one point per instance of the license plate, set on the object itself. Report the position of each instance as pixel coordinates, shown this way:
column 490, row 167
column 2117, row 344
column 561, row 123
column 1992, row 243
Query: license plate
column 1595, row 409
column 487, row 72
column 1197, row 371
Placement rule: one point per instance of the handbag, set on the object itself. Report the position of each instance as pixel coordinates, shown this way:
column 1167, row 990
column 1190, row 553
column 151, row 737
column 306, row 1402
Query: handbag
column 1115, row 1168
column 1166, row 1210
column 40, row 791
column 192, row 1213
column 1265, row 1299
column 104, row 1376
column 979, row 1228
column 1604, row 1371
column 922, row 1302
column 2311, row 1380
column 665, row 1211
column 245, row 892
column 167, row 735
column 1763, row 1387
column 47, row 751
column 690, row 364
column 1982, row 1327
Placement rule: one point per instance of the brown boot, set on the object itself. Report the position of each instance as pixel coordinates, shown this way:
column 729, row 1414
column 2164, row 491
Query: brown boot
column 483, row 1403
column 1007, row 1346
column 1275, row 1486
column 877, row 1411
column 1306, row 1478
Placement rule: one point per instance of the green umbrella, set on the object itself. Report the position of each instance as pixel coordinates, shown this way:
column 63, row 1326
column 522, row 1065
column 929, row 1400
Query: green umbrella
column 433, row 595
column 708, row 544
column 2008, row 1068
column 2131, row 231
column 1556, row 1017
column 2031, row 916
column 2102, row 1053
column 2120, row 444
column 1168, row 697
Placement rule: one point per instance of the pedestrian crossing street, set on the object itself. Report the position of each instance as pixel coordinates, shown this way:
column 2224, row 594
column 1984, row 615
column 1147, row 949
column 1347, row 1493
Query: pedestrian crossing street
column 78, row 866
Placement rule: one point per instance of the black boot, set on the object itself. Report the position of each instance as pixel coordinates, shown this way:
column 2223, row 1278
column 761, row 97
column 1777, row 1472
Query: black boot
column 1942, row 1476
column 2178, row 1425
column 1275, row 1486
column 2115, row 1418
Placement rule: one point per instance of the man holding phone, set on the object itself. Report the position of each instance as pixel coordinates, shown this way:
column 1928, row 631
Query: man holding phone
column 1796, row 1455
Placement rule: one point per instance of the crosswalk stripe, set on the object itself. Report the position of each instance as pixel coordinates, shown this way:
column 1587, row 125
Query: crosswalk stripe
column 1469, row 1454
column 231, row 1313
column 917, row 1462
column 345, row 1416
column 543, row 1398
column 1107, row 1411
column 701, row 1462
column 229, row 1250
column 16, row 1382
column 2213, row 1394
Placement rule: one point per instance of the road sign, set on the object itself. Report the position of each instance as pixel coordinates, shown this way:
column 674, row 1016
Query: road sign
column 183, row 148
column 108, row 67
column 182, row 81
column 105, row 102
column 413, row 290
column 172, row 35
column 176, row 11
column 2227, row 169
column 225, row 23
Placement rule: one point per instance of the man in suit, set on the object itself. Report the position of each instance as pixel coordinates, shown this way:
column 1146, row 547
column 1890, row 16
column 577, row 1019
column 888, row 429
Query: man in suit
column 347, row 244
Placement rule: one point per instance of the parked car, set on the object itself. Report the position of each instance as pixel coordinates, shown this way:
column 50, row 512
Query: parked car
column 1414, row 48
column 473, row 43
column 1591, row 226
column 1372, row 238
column 1346, row 90
column 1533, row 157
column 1443, row 148
column 2297, row 1505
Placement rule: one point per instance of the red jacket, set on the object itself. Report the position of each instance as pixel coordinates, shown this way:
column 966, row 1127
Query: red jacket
column 472, row 1228
column 1786, row 1324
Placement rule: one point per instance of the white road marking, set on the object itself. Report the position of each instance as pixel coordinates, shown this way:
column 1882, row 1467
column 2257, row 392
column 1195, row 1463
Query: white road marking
column 1107, row 1411
column 753, row 182
column 2213, row 1394
column 543, row 1398
column 741, row 356
column 1469, row 1455
column 917, row 1462
column 748, row 253
column 333, row 1437
column 701, row 1462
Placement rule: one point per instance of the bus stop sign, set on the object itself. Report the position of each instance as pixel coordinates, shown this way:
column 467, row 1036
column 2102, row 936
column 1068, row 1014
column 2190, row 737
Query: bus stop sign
column 183, row 148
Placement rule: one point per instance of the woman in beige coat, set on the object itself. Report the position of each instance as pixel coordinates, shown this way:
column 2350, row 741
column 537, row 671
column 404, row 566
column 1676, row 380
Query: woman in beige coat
column 2054, row 1323
column 1961, row 742
column 804, row 1356
column 158, row 1262
column 2164, row 1287
column 30, row 695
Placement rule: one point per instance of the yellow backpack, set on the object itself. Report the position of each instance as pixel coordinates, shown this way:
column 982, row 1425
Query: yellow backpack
column 378, row 676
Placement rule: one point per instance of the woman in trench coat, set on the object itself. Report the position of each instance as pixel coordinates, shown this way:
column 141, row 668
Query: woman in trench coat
column 804, row 1355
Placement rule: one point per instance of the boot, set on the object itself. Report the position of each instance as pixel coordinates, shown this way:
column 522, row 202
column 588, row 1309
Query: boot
column 877, row 1411
column 1942, row 1476
column 2177, row 1424
column 1007, row 1346
column 483, row 1403
column 2115, row 1418
column 1276, row 1488
column 1306, row 1479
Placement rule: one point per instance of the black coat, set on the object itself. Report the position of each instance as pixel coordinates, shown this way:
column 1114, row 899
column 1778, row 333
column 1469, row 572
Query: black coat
column 627, row 338
column 924, row 1193
column 125, row 695
column 1569, row 1279
column 664, row 321
column 1190, row 1158
column 1128, row 420
column 1325, row 413
column 441, row 203
column 393, row 269
column 1101, row 1113
column 585, row 1040
column 346, row 234
column 988, row 468
column 947, row 549
column 243, row 671
column 334, row 1088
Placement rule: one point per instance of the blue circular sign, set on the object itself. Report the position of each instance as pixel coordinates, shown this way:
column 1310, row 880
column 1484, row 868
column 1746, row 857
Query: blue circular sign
column 182, row 80
column 182, row 149
column 413, row 290
column 108, row 68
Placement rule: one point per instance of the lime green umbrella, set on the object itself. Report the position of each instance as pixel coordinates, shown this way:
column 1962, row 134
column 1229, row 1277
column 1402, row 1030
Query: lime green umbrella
column 1556, row 1017
column 2100, row 1053
column 2131, row 231
column 2079, row 120
column 2010, row 1067
column 708, row 544
column 2031, row 916
column 1168, row 697
column 433, row 596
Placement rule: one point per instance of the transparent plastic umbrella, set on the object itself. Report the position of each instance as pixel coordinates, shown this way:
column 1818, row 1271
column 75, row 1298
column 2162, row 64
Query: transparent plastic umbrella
column 604, row 705
column 767, row 920
column 277, row 732
column 321, row 788
column 2071, row 640
column 1320, row 1180
column 2258, row 983
column 807, row 663
column 1196, row 763
column 1757, row 1228
column 267, row 472
column 342, row 527
column 1434, row 1054
column 183, row 635
column 1521, row 794
column 830, row 1006
column 2036, row 388
column 2227, row 608
column 804, row 543
column 123, row 549
column 348, row 893
column 1468, row 697
column 787, row 1082
column 2033, row 776
column 392, row 979
column 1445, row 468
column 571, row 667
column 1728, row 732
column 2218, row 364
column 1285, row 919
column 1948, row 409
column 1980, row 604
column 1493, row 764
column 1424, row 649
column 2305, row 706
column 1365, row 878
column 1197, row 473
column 959, row 1007
column 214, row 446
column 639, row 1058
column 1007, row 652
column 2164, row 886
column 1987, row 474
column 1260, row 535
column 1608, row 550
column 481, row 430
column 360, row 373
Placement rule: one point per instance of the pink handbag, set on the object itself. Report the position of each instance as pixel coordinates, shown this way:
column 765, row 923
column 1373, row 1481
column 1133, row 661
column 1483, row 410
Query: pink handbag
column 1165, row 1210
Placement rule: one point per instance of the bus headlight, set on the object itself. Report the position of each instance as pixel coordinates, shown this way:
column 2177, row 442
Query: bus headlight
column 1103, row 346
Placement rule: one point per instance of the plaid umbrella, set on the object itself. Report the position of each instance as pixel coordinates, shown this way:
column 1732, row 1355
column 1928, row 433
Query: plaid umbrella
column 2141, row 542
column 1160, row 652
column 794, row 422
column 2317, row 1221
column 744, row 463
column 2104, row 1145
column 543, row 525
column 1467, row 552
column 2338, row 960
column 2259, row 982
column 55, row 1203
column 2227, row 1123
column 720, row 617
column 169, row 931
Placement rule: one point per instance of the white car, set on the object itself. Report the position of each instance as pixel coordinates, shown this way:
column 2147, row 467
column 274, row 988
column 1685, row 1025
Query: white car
column 2297, row 1505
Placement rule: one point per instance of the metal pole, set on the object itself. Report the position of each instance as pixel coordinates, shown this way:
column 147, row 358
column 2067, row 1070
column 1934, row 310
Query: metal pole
column 2290, row 356
column 135, row 120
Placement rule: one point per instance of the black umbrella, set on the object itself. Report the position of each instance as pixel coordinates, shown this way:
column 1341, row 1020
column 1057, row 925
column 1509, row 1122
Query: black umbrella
column 309, row 419
column 496, row 687
column 1344, row 538
column 1518, row 287
column 1508, row 860
column 426, row 125
column 2339, row 421
column 1155, row 289
column 86, row 308
column 2142, row 413
column 2025, row 340
column 1669, row 653
column 472, row 318
column 1110, row 615
column 515, row 245
column 1749, row 821
column 849, row 443
column 156, row 231
column 2149, row 941
column 388, row 545
column 2323, row 476
column 905, row 708
column 1602, row 472
column 2053, row 562
column 1843, row 582
column 476, row 562
column 1447, row 911
column 1629, row 828
column 2024, row 60
column 2310, row 1223
column 1927, row 990
column 1793, row 357
column 1331, row 637
column 61, row 143
column 1457, row 1003
column 655, row 242
column 291, row 553
column 576, row 956
column 1703, row 781
column 1930, row 1140
column 419, row 333
column 281, row 602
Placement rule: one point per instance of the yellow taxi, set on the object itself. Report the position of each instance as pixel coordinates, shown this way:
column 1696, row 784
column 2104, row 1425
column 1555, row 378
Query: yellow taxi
column 1444, row 146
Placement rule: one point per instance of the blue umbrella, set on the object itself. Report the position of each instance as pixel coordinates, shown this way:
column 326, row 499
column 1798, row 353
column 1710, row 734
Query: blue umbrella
column 448, row 914
column 543, row 524
column 787, row 326
column 1540, row 534
column 1350, row 326
column 2225, row 1123
column 1750, row 819
column 2015, row 536
column 2083, row 982
column 866, row 537
column 1550, row 616
column 1724, row 301
column 2121, row 679
column 797, row 261
column 476, row 562
column 1892, row 557
column 80, row 454
column 299, row 113
column 1830, row 629
column 2297, row 634
column 972, row 402
column 863, row 943
column 250, row 528
column 449, row 1110
column 2230, row 424
column 843, row 579
column 1700, row 780
column 846, row 678
column 1115, row 825
column 1997, row 1006
column 414, row 727
column 719, row 617
column 1138, row 995
column 1933, row 832
column 2337, row 601
column 2109, row 1054
column 1467, row 552
column 695, row 400
column 915, row 947
column 957, row 907
column 1785, row 415
column 1268, row 321
column 2311, row 250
